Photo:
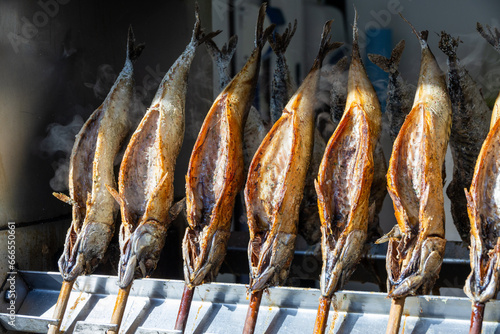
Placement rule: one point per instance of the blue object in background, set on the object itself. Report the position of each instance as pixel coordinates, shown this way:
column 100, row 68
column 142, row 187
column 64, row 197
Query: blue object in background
column 378, row 41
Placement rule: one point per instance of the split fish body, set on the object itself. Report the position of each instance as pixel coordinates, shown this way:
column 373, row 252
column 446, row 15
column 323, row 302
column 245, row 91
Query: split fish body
column 416, row 245
column 146, row 173
column 275, row 182
column 345, row 177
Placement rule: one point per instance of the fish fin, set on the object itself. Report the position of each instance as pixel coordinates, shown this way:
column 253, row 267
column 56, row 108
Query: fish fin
column 176, row 209
column 326, row 45
column 381, row 61
column 448, row 44
column 261, row 35
column 65, row 198
column 490, row 35
column 199, row 37
column 133, row 51
column 224, row 55
column 279, row 43
column 396, row 54
column 422, row 36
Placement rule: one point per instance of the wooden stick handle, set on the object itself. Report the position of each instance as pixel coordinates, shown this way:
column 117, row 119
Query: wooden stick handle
column 253, row 312
column 476, row 318
column 397, row 306
column 322, row 316
column 62, row 303
column 183, row 314
column 119, row 310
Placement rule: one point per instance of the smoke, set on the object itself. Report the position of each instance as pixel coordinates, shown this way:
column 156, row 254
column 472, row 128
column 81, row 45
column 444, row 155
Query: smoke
column 59, row 141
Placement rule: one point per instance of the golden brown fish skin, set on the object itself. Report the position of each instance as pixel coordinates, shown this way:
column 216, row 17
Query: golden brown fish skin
column 345, row 177
column 275, row 182
column 91, row 169
column 147, row 170
column 416, row 244
column 215, row 172
column 482, row 204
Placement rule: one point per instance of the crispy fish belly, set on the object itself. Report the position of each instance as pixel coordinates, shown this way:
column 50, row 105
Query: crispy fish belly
column 215, row 172
column 416, row 244
column 345, row 177
column 468, row 131
column 147, row 170
column 275, row 182
column 483, row 207
column 91, row 169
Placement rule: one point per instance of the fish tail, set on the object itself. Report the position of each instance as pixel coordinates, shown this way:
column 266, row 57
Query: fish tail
column 279, row 43
column 224, row 55
column 199, row 37
column 389, row 65
column 449, row 45
column 261, row 35
column 422, row 36
column 490, row 35
column 326, row 44
column 133, row 51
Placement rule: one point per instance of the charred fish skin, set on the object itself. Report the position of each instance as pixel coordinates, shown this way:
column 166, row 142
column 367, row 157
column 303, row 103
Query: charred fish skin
column 147, row 170
column 399, row 93
column 216, row 171
column 482, row 284
column 91, row 169
column 345, row 177
column 468, row 131
column 416, row 245
column 282, row 86
column 276, row 178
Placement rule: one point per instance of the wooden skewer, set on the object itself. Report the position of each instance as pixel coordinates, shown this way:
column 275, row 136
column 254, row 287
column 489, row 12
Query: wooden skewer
column 476, row 318
column 253, row 312
column 395, row 314
column 182, row 316
column 119, row 310
column 62, row 302
column 322, row 316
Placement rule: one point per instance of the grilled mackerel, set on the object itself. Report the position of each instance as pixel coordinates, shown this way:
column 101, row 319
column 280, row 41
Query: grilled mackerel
column 345, row 177
column 147, row 170
column 416, row 244
column 215, row 172
column 399, row 93
column 338, row 92
column 483, row 207
column 91, row 169
column 276, row 178
column 468, row 131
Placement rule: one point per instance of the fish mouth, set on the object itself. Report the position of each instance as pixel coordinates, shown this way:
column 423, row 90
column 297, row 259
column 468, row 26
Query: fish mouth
column 141, row 252
column 84, row 255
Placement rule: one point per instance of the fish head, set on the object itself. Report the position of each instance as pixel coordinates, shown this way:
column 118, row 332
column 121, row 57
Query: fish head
column 85, row 254
column 141, row 252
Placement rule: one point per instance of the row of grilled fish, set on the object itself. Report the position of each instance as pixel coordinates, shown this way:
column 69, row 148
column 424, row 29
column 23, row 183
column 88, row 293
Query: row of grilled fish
column 278, row 173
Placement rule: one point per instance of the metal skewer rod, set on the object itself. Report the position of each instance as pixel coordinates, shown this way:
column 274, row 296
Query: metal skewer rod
column 322, row 316
column 119, row 310
column 62, row 302
column 476, row 318
column 182, row 316
column 253, row 312
column 397, row 306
